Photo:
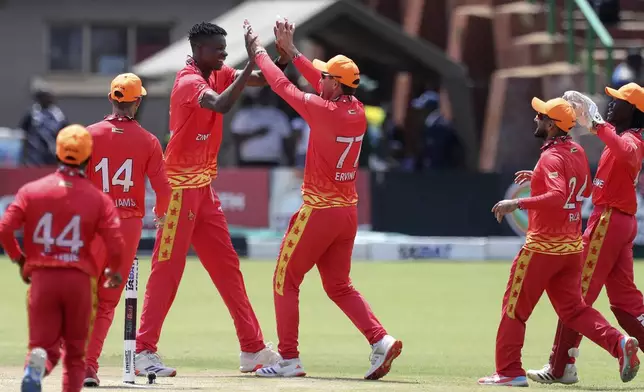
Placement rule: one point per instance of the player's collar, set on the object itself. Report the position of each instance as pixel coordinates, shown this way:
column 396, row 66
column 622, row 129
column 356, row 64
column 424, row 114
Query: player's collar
column 118, row 117
column 554, row 141
column 72, row 172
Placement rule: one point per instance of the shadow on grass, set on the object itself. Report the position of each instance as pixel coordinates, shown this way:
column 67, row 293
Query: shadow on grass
column 362, row 380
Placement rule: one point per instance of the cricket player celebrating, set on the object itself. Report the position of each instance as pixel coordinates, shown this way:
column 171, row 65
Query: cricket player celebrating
column 203, row 90
column 612, row 227
column 322, row 232
column 550, row 260
column 61, row 214
column 124, row 153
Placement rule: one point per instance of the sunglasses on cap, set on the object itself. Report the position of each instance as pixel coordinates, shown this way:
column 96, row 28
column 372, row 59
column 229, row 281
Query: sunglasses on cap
column 542, row 117
column 326, row 75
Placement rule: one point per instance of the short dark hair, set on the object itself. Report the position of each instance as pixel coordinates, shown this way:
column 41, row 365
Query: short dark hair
column 123, row 105
column 346, row 90
column 203, row 30
column 80, row 166
column 637, row 121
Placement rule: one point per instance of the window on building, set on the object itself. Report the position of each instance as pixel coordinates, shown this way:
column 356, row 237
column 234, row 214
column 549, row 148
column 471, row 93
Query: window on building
column 150, row 40
column 109, row 50
column 66, row 48
column 103, row 48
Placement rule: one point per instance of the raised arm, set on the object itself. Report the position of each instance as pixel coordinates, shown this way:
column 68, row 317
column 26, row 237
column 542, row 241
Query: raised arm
column 222, row 103
column 257, row 78
column 623, row 147
column 304, row 103
column 284, row 34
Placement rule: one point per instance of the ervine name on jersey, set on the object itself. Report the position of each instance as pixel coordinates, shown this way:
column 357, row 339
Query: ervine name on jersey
column 350, row 176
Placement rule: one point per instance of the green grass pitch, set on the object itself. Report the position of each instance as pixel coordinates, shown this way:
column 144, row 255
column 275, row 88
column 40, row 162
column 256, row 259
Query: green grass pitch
column 445, row 313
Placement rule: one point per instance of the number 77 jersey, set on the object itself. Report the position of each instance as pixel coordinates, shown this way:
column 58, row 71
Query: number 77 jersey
column 559, row 184
column 335, row 142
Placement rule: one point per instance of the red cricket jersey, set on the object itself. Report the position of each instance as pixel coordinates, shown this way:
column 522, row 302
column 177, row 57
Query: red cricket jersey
column 559, row 183
column 61, row 213
column 122, row 155
column 619, row 168
column 195, row 132
column 337, row 131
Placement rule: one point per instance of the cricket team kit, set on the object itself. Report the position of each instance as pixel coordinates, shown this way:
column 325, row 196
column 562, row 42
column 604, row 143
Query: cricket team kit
column 82, row 229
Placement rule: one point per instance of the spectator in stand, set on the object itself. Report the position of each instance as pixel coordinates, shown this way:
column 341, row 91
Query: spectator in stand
column 41, row 125
column 262, row 133
column 441, row 148
column 630, row 70
column 608, row 11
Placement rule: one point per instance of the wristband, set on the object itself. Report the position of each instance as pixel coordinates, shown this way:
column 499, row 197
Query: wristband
column 280, row 66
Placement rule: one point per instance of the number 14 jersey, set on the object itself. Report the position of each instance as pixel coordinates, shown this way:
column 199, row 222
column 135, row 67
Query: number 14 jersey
column 123, row 154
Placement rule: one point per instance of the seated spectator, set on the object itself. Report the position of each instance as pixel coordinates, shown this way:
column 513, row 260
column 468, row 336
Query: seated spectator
column 41, row 125
column 262, row 132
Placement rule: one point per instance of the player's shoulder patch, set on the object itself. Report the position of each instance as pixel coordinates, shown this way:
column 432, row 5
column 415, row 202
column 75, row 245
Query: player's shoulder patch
column 307, row 96
column 553, row 174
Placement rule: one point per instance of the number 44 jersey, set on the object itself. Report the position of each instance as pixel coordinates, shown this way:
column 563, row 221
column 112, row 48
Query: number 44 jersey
column 559, row 184
column 123, row 154
column 61, row 214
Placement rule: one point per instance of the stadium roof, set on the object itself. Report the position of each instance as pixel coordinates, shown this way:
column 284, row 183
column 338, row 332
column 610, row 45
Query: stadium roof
column 345, row 26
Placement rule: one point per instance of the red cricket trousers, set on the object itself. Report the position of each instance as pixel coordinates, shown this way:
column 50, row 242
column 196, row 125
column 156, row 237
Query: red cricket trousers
column 322, row 237
column 61, row 306
column 108, row 299
column 608, row 260
column 559, row 276
column 195, row 217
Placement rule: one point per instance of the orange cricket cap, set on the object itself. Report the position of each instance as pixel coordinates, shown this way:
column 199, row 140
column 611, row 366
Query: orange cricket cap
column 127, row 87
column 73, row 144
column 631, row 93
column 558, row 110
column 341, row 68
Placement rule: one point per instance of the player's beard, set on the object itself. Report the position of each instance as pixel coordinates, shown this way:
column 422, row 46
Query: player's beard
column 541, row 133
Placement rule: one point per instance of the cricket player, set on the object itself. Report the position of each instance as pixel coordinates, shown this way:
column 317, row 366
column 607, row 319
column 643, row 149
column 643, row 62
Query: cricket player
column 61, row 214
column 203, row 91
column 323, row 231
column 612, row 227
column 551, row 260
column 124, row 153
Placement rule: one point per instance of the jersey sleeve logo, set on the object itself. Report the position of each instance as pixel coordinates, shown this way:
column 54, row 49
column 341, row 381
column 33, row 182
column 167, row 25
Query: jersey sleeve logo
column 553, row 175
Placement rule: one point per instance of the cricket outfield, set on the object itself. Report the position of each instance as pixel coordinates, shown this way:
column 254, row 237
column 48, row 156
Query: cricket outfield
column 446, row 314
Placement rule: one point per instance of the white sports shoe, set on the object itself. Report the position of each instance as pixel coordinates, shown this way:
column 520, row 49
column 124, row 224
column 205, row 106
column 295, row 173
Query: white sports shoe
column 544, row 376
column 34, row 371
column 250, row 362
column 148, row 362
column 284, row 368
column 382, row 355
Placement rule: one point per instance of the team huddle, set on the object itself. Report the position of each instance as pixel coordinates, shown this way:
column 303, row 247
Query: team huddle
column 82, row 224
